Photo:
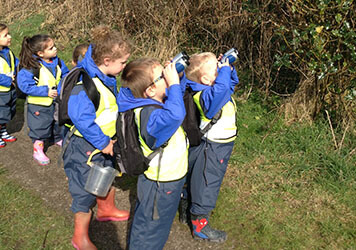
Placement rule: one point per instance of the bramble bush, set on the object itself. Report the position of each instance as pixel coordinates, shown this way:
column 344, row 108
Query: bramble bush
column 302, row 52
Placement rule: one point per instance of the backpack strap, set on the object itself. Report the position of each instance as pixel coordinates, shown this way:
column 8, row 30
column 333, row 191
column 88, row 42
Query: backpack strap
column 58, row 65
column 90, row 88
column 213, row 120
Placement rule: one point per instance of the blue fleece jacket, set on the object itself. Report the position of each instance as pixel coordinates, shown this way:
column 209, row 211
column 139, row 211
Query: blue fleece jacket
column 216, row 96
column 81, row 110
column 162, row 123
column 27, row 84
column 4, row 79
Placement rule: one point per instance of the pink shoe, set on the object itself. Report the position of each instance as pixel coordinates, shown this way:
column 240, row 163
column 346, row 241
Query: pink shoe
column 59, row 143
column 38, row 154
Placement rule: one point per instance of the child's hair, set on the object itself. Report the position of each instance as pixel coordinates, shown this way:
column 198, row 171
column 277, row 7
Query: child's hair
column 3, row 26
column 79, row 51
column 108, row 43
column 138, row 75
column 30, row 47
column 193, row 71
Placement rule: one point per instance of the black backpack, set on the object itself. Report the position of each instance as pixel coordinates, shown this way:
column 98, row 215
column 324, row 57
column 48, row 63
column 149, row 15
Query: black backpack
column 68, row 84
column 36, row 77
column 191, row 121
column 127, row 149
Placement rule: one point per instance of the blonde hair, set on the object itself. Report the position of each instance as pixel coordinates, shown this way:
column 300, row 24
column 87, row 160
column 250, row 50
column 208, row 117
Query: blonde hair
column 138, row 75
column 197, row 61
column 108, row 43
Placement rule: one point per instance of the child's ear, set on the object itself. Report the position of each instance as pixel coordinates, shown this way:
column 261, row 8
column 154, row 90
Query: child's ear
column 150, row 91
column 107, row 61
column 205, row 80
column 40, row 53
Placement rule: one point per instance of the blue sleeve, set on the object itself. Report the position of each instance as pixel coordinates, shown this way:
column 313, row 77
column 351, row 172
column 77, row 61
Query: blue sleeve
column 163, row 123
column 65, row 72
column 234, row 78
column 28, row 85
column 82, row 113
column 5, row 80
column 183, row 83
column 17, row 61
column 215, row 97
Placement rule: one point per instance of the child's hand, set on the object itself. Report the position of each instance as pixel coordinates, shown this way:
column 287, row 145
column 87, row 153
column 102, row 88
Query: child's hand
column 52, row 93
column 109, row 148
column 166, row 63
column 170, row 74
column 222, row 64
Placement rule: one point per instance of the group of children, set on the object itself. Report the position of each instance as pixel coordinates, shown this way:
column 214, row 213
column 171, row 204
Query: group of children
column 155, row 93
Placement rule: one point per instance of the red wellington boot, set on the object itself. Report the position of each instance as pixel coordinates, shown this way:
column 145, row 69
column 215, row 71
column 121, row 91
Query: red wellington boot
column 80, row 239
column 107, row 210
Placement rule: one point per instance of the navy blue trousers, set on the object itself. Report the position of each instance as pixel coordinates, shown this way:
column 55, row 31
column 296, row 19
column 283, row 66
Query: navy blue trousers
column 77, row 171
column 7, row 106
column 40, row 121
column 147, row 233
column 207, row 166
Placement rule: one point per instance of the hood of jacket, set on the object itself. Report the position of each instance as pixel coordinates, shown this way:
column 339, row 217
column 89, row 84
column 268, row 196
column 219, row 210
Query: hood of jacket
column 126, row 100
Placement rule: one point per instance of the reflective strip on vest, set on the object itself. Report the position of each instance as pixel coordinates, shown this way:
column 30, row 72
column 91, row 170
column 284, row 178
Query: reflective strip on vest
column 46, row 79
column 174, row 162
column 7, row 69
column 107, row 112
column 225, row 130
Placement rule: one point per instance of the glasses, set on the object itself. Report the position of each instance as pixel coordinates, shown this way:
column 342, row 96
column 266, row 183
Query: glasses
column 156, row 80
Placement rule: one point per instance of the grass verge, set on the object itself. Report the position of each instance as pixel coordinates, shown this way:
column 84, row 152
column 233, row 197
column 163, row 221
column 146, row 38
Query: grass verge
column 27, row 223
column 286, row 186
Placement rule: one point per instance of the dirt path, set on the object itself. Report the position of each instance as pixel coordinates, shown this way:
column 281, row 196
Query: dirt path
column 50, row 183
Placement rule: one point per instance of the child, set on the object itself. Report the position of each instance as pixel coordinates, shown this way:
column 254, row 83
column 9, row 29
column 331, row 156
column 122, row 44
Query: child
column 157, row 100
column 214, row 83
column 8, row 64
column 78, row 53
column 94, row 129
column 38, row 54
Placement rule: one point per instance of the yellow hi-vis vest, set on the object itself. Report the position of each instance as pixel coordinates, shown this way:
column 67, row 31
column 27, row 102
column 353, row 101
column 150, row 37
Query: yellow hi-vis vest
column 107, row 112
column 7, row 69
column 174, row 161
column 225, row 130
column 46, row 79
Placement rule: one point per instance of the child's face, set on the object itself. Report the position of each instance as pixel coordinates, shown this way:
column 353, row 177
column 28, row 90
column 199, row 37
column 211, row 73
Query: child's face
column 209, row 71
column 115, row 66
column 49, row 52
column 5, row 38
column 159, row 84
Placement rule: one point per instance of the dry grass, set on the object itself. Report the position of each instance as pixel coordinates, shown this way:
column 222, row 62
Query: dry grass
column 162, row 28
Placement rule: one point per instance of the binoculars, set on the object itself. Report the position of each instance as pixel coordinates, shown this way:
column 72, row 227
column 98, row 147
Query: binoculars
column 181, row 61
column 230, row 55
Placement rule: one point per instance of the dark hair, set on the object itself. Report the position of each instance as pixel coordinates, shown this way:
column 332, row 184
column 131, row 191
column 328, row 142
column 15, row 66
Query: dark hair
column 108, row 43
column 30, row 47
column 3, row 26
column 78, row 51
column 138, row 75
